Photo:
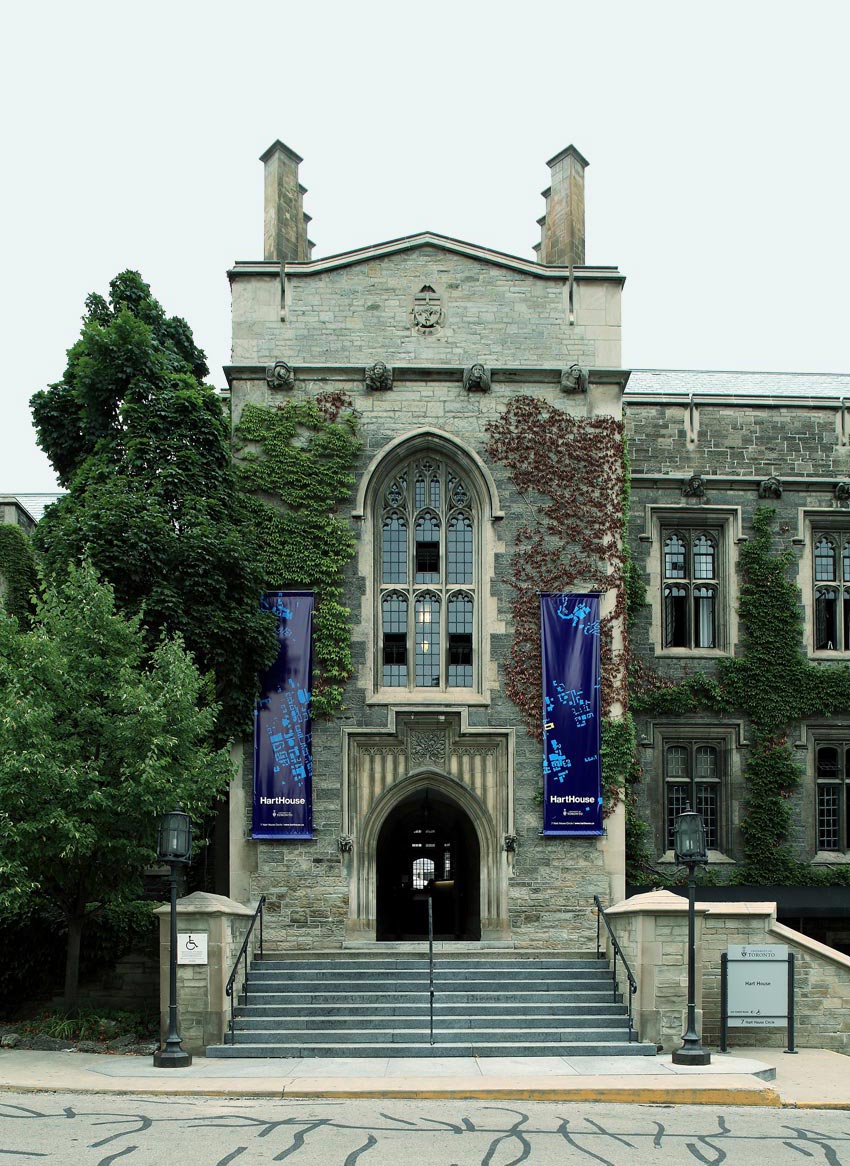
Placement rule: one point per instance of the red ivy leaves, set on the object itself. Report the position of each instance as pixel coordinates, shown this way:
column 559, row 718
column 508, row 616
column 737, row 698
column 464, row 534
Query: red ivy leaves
column 570, row 472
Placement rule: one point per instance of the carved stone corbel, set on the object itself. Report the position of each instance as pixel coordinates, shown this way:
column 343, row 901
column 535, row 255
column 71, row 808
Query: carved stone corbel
column 510, row 843
column 476, row 378
column 841, row 491
column 770, row 488
column 379, row 377
column 345, row 843
column 694, row 487
column 280, row 376
column 574, row 379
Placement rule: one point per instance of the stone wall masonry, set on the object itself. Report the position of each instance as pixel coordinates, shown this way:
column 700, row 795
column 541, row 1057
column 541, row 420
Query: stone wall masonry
column 737, row 439
column 362, row 312
column 652, row 930
column 131, row 985
column 729, row 505
column 551, row 882
column 203, row 1008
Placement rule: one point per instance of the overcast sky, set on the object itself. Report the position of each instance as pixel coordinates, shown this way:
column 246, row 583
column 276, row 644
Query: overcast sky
column 717, row 135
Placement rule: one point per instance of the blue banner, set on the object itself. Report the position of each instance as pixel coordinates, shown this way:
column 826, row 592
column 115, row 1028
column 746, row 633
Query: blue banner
column 572, row 766
column 283, row 750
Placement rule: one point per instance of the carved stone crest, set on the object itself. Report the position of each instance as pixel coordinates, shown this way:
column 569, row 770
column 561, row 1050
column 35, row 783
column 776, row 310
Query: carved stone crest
column 476, row 378
column 770, row 488
column 574, row 379
column 280, row 376
column 426, row 746
column 694, row 487
column 427, row 309
column 379, row 377
column 841, row 491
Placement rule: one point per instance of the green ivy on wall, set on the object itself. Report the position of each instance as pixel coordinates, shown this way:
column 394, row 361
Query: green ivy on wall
column 295, row 466
column 18, row 579
column 774, row 686
column 573, row 473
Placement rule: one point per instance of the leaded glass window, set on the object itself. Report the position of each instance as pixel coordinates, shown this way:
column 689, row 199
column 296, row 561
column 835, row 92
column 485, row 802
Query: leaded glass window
column 427, row 578
column 691, row 588
column 692, row 779
column 832, row 592
column 833, row 810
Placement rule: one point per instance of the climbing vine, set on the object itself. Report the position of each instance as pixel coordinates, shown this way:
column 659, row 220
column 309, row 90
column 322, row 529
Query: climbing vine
column 773, row 685
column 571, row 473
column 295, row 466
column 18, row 578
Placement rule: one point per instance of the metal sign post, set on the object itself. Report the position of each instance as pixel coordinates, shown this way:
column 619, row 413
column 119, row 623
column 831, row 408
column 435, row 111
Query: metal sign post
column 757, row 990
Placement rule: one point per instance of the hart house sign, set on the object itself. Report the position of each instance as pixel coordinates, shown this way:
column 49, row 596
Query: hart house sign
column 757, row 985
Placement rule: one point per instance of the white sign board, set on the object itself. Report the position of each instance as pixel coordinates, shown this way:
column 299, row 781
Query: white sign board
column 757, row 985
column 192, row 947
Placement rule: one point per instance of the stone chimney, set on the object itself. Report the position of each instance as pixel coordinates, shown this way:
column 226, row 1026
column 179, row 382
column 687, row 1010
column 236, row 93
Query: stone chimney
column 285, row 224
column 562, row 227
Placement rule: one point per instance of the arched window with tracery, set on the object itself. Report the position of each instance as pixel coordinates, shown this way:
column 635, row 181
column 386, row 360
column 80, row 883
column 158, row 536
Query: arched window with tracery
column 427, row 602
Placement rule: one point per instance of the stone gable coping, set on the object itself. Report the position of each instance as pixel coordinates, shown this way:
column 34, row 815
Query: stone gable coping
column 427, row 239
column 204, row 903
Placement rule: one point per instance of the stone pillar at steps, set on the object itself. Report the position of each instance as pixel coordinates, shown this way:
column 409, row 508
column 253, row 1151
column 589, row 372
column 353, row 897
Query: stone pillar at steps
column 203, row 1009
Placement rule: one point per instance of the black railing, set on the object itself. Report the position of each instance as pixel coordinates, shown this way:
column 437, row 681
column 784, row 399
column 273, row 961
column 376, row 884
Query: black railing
column 431, row 962
column 618, row 954
column 243, row 954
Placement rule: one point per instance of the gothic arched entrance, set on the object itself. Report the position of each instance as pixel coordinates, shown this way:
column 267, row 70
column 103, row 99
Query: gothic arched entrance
column 428, row 847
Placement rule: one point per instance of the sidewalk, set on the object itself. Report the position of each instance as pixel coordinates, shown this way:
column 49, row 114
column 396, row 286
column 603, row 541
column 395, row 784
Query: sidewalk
column 768, row 1077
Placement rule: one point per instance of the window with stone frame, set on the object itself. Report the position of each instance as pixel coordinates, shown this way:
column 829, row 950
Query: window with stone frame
column 691, row 599
column 831, row 584
column 426, row 569
column 694, row 779
column 832, row 775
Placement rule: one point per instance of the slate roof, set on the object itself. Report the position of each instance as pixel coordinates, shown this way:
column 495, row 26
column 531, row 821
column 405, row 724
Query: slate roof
column 649, row 381
column 35, row 504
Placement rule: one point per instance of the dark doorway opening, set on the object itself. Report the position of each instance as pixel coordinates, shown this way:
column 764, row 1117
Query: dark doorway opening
column 428, row 847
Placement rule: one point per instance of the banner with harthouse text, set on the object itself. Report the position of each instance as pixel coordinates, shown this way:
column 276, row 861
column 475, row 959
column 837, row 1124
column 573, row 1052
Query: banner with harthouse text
column 572, row 767
column 283, row 753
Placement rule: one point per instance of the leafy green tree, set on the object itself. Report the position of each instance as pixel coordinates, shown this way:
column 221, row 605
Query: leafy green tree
column 142, row 446
column 98, row 737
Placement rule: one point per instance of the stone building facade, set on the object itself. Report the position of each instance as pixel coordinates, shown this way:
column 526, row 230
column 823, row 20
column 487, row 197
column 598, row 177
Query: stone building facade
column 431, row 337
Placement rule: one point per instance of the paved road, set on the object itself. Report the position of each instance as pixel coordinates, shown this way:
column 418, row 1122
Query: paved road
column 74, row 1130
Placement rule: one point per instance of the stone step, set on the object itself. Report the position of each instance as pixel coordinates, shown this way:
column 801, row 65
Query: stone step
column 266, row 982
column 508, row 1010
column 345, row 964
column 370, row 1021
column 573, row 1048
column 456, row 996
column 443, row 950
column 484, row 1035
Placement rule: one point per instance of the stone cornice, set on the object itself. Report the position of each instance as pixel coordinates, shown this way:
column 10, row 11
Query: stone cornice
column 507, row 374
column 743, row 481
column 426, row 239
column 733, row 400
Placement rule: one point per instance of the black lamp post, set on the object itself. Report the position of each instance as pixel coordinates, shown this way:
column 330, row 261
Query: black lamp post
column 174, row 846
column 690, row 851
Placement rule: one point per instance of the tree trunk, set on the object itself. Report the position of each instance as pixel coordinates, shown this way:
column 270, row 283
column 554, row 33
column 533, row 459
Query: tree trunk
column 70, row 1002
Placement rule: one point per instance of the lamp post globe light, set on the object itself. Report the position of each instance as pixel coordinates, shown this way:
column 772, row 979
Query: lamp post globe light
column 173, row 846
column 690, row 850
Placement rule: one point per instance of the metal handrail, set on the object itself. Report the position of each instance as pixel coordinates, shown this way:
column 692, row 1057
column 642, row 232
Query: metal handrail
column 243, row 951
column 431, row 961
column 618, row 951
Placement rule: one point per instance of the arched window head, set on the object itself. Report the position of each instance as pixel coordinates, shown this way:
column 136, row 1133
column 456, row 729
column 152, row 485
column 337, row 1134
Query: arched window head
column 427, row 574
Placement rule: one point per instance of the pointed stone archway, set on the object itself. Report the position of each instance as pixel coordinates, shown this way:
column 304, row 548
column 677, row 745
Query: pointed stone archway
column 471, row 813
column 427, row 850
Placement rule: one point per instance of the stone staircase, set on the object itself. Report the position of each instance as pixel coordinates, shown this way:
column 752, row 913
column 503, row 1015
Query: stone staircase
column 375, row 1004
